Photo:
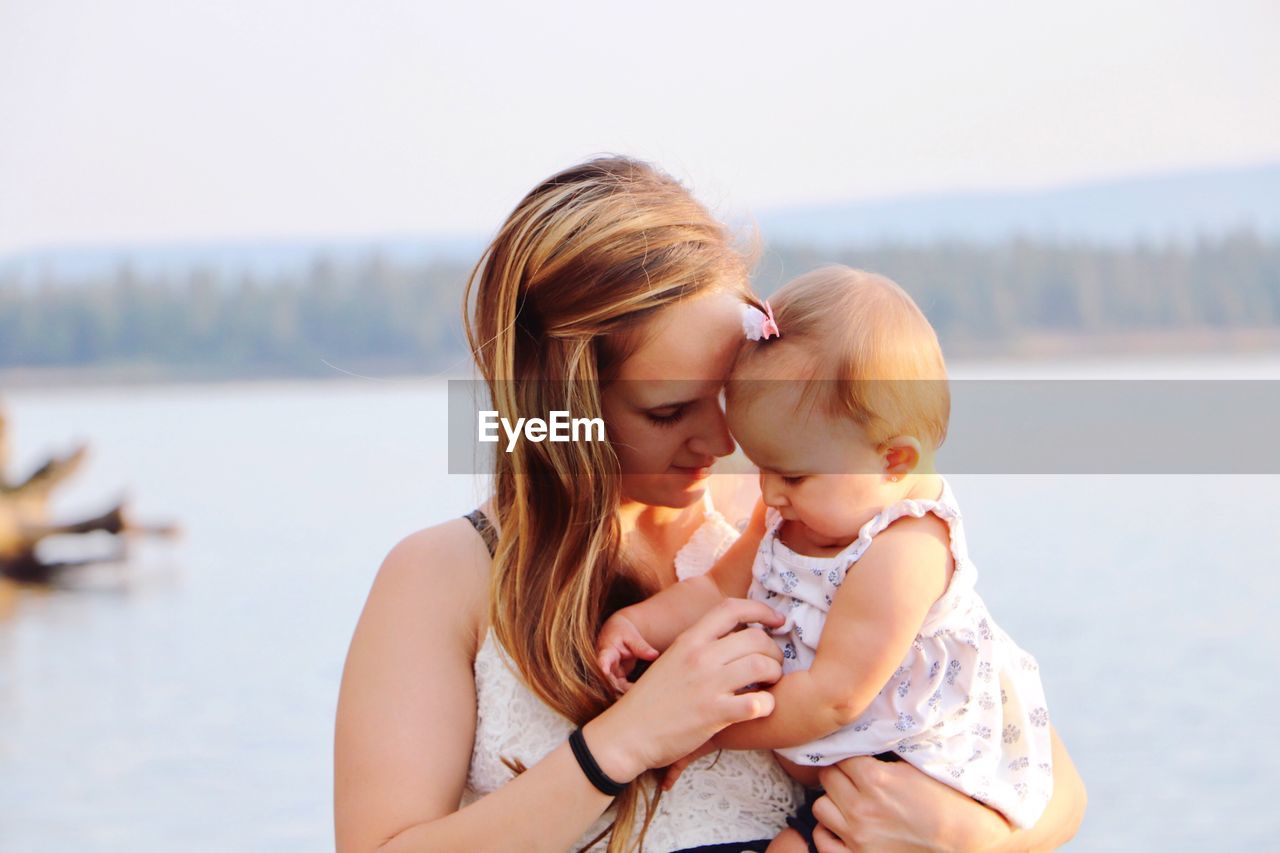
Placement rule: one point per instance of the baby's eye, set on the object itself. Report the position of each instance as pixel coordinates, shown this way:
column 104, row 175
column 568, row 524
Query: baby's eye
column 793, row 481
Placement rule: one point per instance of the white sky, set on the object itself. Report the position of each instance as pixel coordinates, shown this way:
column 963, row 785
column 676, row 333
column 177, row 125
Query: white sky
column 159, row 120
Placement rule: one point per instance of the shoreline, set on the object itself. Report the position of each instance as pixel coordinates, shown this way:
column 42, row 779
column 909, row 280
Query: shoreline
column 1028, row 349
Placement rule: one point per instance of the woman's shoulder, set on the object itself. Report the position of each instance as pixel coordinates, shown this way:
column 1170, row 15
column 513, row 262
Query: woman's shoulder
column 437, row 576
column 455, row 540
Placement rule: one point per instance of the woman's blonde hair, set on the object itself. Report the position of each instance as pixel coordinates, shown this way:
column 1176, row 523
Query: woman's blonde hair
column 552, row 310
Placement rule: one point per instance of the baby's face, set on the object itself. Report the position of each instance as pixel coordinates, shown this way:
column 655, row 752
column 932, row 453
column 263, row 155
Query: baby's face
column 821, row 473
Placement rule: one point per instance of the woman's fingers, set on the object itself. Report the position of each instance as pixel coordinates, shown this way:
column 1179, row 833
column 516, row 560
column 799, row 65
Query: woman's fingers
column 855, row 774
column 749, row 641
column 728, row 615
column 691, row 691
column 832, row 810
column 834, row 821
column 753, row 669
column 747, row 706
column 836, row 777
column 826, row 842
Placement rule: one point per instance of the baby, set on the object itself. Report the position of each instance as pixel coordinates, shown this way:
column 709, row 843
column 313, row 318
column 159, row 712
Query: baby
column 887, row 648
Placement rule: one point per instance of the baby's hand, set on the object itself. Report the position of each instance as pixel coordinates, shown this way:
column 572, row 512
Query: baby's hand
column 674, row 771
column 617, row 649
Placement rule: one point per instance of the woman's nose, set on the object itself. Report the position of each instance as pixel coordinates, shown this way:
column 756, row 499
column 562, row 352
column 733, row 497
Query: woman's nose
column 711, row 436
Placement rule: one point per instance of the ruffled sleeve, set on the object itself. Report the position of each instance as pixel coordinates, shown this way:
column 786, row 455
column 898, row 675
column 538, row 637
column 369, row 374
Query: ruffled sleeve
column 708, row 544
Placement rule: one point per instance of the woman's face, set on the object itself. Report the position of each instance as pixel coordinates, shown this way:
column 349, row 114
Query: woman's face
column 662, row 412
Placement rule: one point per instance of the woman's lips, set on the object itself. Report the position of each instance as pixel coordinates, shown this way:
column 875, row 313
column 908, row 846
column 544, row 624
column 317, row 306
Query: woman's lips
column 696, row 472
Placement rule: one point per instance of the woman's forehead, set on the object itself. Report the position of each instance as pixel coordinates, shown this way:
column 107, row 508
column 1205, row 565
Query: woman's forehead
column 692, row 340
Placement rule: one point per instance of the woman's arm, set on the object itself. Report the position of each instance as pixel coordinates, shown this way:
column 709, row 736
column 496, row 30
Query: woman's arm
column 406, row 712
column 1062, row 818
column 871, row 804
column 406, row 717
column 406, row 708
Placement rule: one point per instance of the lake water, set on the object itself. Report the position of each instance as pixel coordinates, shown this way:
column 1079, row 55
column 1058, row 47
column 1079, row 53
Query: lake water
column 185, row 701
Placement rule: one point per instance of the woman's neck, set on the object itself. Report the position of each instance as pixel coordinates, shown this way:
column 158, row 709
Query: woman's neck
column 634, row 515
column 653, row 535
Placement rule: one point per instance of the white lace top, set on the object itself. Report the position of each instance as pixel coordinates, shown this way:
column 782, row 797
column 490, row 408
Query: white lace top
column 739, row 796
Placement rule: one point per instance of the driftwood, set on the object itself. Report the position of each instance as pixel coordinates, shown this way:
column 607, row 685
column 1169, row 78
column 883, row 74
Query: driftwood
column 25, row 519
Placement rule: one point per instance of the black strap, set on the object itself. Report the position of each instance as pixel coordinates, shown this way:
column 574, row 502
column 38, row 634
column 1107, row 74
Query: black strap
column 484, row 527
column 587, row 762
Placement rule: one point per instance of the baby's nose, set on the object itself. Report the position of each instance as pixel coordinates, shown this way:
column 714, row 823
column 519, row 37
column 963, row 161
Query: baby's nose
column 772, row 492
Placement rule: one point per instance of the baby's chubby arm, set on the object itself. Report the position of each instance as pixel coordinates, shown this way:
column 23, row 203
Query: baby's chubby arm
column 644, row 630
column 875, row 616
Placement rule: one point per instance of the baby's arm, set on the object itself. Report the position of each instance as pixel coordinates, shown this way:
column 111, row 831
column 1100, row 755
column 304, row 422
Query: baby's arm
column 645, row 629
column 875, row 616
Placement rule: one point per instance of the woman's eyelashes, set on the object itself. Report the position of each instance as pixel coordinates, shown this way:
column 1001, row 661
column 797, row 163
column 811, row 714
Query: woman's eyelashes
column 666, row 416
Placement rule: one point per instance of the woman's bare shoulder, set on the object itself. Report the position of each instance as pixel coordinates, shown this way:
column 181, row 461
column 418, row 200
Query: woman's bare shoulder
column 439, row 572
column 411, row 659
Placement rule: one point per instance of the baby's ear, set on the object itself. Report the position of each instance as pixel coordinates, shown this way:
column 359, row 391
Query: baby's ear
column 901, row 456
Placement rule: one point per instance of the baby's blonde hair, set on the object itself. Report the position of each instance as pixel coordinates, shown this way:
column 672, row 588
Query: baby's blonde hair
column 864, row 349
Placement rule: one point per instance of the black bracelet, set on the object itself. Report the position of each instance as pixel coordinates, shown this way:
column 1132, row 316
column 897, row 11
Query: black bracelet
column 587, row 762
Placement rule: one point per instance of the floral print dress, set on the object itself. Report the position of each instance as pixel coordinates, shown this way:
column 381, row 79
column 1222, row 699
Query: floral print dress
column 965, row 706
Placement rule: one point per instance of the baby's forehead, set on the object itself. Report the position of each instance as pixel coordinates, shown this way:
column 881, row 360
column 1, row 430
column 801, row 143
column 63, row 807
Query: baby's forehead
column 780, row 361
column 788, row 440
column 778, row 408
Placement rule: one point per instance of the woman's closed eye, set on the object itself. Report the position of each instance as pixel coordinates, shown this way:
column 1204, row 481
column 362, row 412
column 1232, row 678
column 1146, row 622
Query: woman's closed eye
column 666, row 416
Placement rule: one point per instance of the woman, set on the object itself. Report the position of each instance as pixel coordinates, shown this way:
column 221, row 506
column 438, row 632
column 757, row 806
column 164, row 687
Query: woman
column 609, row 292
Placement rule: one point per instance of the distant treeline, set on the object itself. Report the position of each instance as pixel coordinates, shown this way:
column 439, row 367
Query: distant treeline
column 381, row 315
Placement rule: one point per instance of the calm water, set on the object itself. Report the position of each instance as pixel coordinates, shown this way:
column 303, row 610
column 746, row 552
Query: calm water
column 185, row 702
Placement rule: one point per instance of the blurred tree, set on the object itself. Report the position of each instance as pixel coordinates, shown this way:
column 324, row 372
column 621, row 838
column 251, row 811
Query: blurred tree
column 380, row 313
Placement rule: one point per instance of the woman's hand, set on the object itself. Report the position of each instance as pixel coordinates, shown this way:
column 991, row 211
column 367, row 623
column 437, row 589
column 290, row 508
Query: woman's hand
column 690, row 692
column 871, row 804
column 875, row 805
column 618, row 647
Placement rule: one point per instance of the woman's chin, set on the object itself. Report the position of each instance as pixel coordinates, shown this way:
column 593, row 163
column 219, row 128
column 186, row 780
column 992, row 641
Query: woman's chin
column 682, row 496
column 677, row 489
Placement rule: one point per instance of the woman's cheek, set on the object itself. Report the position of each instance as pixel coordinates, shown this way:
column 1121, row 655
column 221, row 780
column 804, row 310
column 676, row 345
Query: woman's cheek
column 642, row 448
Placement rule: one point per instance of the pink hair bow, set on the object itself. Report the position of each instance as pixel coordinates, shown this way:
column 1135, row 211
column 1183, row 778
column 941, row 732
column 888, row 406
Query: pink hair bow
column 759, row 325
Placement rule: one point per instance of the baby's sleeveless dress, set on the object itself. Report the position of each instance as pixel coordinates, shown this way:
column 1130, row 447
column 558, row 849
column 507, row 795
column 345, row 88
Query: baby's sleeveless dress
column 741, row 796
column 965, row 706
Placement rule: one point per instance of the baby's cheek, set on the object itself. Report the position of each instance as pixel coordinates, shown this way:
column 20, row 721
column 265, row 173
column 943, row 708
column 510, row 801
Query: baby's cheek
column 843, row 527
column 840, row 510
column 823, row 515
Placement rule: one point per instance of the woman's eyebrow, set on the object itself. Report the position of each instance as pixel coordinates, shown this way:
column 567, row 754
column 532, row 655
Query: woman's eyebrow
column 674, row 404
column 692, row 390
